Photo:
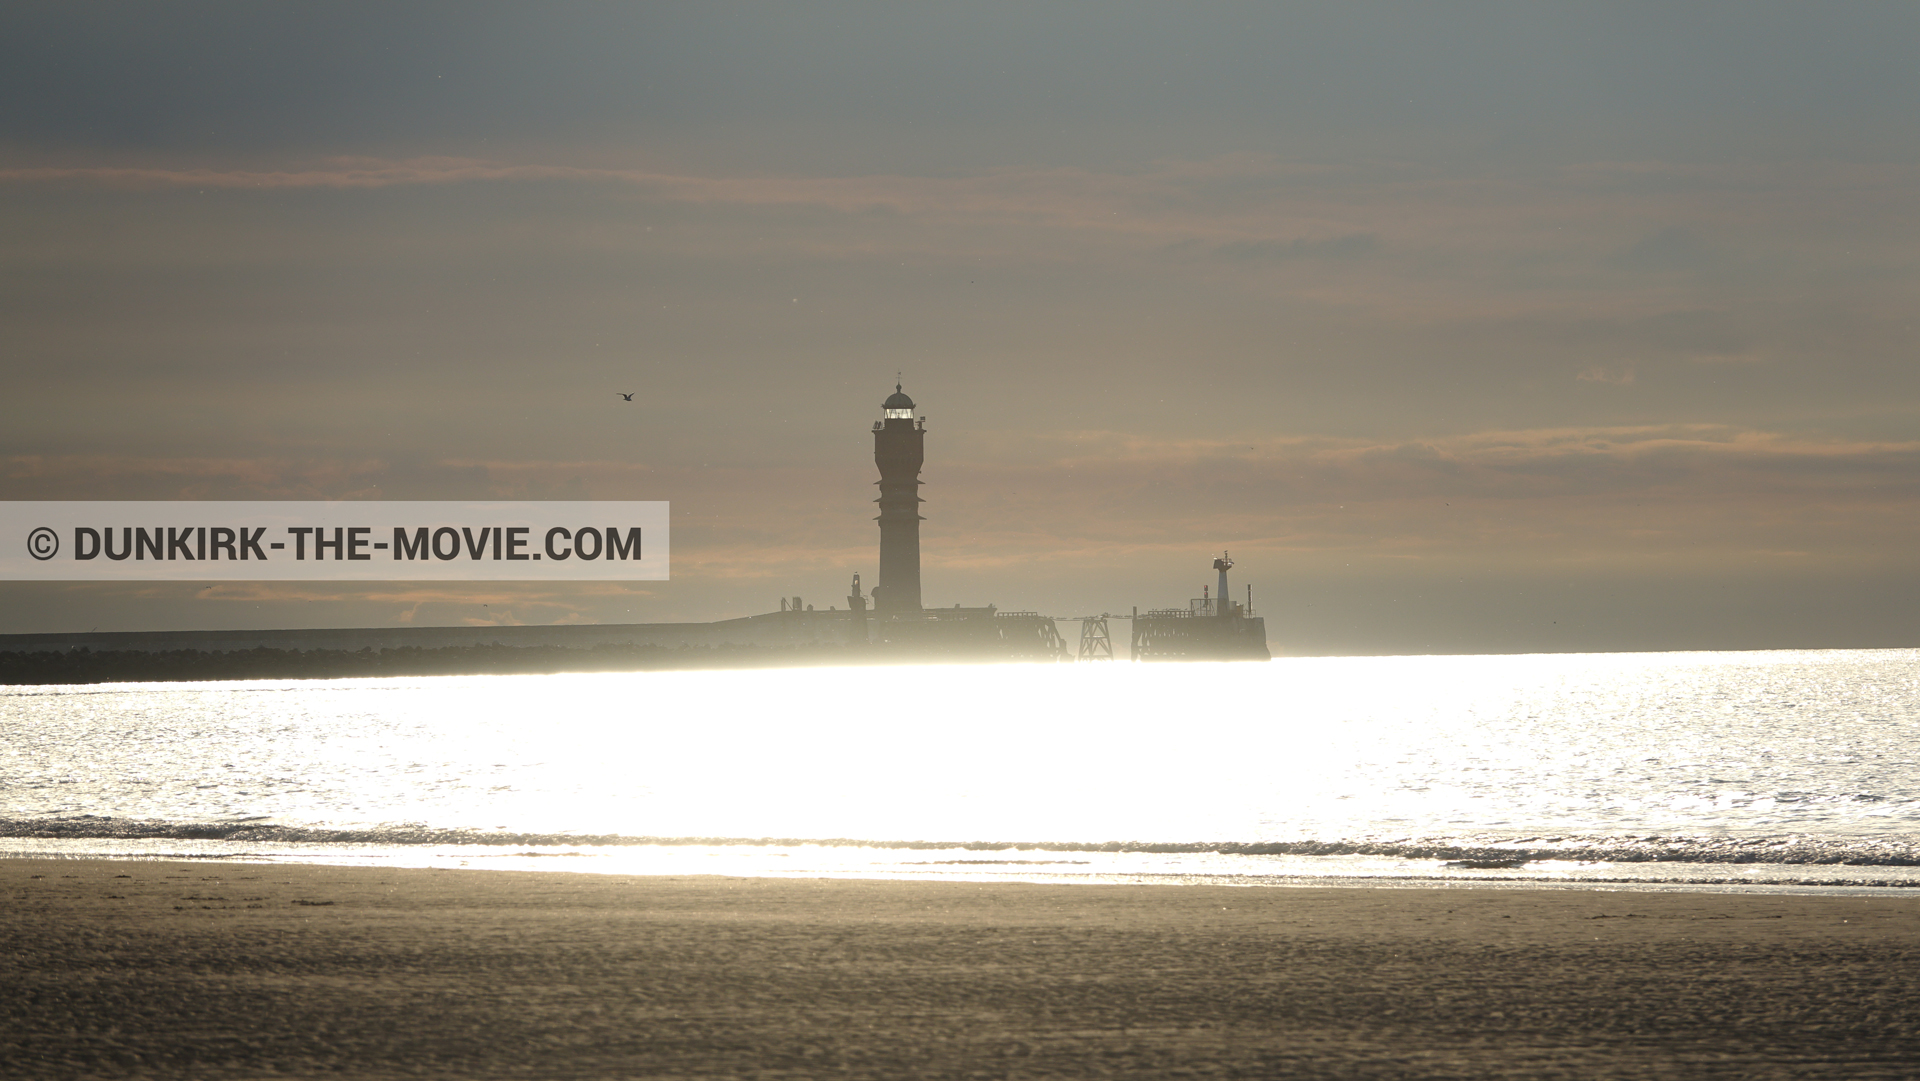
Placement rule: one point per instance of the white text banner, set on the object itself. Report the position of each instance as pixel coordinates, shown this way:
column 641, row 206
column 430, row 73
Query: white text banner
column 96, row 541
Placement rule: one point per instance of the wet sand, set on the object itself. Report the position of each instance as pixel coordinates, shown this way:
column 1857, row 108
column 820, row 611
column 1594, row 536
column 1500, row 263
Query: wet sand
column 221, row 970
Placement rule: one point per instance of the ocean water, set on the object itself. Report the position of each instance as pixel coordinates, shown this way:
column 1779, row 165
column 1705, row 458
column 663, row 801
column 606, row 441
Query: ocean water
column 1792, row 769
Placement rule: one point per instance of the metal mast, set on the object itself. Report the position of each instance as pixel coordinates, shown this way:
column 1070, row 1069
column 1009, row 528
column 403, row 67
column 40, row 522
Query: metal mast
column 1095, row 645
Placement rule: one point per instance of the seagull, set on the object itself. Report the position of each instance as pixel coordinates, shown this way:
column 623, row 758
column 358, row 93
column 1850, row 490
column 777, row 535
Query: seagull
column 626, row 396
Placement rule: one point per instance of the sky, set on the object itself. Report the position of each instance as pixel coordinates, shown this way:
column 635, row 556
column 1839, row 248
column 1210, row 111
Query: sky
column 1475, row 327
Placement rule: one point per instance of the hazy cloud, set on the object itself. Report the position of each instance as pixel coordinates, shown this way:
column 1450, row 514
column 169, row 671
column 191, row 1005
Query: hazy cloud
column 1436, row 310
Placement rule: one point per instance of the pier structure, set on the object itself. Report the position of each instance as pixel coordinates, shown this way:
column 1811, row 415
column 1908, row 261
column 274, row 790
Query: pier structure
column 1095, row 643
column 857, row 605
column 1212, row 627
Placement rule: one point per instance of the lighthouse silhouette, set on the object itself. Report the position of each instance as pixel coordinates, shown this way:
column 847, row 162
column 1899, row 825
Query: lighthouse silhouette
column 899, row 448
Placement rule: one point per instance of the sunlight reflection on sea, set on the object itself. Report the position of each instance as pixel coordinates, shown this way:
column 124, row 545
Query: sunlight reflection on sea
column 1814, row 744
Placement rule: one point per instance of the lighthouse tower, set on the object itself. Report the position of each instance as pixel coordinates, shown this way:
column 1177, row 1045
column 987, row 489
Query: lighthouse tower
column 899, row 448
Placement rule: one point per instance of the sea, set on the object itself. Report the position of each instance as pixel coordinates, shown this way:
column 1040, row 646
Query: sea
column 1792, row 771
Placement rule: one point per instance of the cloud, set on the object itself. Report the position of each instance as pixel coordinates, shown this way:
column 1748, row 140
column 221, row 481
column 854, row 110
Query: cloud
column 1005, row 500
column 1003, row 191
column 1601, row 373
column 1230, row 191
column 1594, row 249
column 1528, row 498
column 1669, row 248
column 1340, row 247
column 1373, row 297
column 1014, row 517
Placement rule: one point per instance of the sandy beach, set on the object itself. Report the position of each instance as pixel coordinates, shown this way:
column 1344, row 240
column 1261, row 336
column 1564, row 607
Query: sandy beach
column 217, row 970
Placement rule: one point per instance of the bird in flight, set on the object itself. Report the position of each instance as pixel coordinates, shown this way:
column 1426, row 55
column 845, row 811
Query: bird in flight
column 625, row 396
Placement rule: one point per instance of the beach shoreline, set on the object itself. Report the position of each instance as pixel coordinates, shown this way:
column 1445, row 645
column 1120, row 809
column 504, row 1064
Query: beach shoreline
column 192, row 969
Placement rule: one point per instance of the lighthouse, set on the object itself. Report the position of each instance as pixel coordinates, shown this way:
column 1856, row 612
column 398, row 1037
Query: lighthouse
column 899, row 448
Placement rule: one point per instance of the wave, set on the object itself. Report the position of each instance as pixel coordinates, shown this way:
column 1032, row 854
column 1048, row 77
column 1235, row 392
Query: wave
column 1666, row 848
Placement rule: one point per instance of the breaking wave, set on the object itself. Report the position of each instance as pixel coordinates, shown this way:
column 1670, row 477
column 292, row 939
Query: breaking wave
column 1491, row 850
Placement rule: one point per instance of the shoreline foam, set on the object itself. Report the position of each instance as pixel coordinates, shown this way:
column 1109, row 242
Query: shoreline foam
column 1626, row 848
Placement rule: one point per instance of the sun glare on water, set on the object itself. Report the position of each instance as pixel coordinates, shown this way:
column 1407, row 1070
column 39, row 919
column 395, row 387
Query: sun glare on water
column 1296, row 749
